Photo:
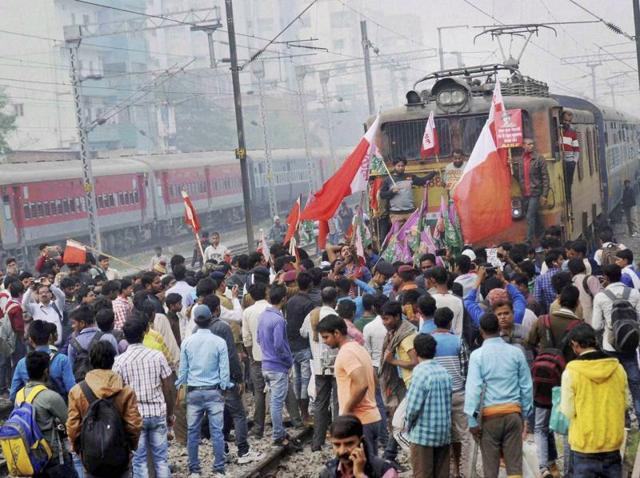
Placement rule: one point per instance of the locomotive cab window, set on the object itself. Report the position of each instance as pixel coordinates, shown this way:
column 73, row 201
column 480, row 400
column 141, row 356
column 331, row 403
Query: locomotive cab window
column 405, row 138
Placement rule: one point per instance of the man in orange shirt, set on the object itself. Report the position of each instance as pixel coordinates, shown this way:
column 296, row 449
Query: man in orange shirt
column 354, row 377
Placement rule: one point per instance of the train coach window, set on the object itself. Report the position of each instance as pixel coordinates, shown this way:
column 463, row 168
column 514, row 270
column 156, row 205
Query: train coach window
column 6, row 201
column 100, row 201
column 120, row 199
column 27, row 211
column 66, row 205
column 136, row 196
column 47, row 208
column 34, row 210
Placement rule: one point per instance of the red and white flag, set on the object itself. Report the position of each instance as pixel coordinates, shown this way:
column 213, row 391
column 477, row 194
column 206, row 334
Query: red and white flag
column 482, row 196
column 74, row 253
column 190, row 215
column 350, row 178
column 264, row 247
column 293, row 220
column 430, row 145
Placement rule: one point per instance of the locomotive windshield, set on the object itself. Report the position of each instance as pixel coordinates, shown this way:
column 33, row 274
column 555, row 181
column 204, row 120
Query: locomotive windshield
column 403, row 138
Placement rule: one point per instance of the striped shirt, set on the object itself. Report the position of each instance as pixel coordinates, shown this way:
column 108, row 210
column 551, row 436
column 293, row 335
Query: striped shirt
column 428, row 414
column 143, row 370
column 570, row 145
column 452, row 354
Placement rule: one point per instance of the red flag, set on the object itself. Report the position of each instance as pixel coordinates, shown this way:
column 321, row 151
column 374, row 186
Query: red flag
column 352, row 177
column 74, row 253
column 483, row 194
column 430, row 144
column 190, row 214
column 374, row 189
column 293, row 220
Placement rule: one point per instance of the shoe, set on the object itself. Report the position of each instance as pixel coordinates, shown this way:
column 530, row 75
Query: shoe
column 194, row 475
column 228, row 457
column 545, row 473
column 555, row 471
column 288, row 442
column 218, row 474
column 635, row 234
column 249, row 456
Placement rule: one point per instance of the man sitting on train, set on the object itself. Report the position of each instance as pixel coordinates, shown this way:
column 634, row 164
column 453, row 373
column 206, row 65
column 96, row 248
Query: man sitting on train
column 534, row 184
column 570, row 150
column 397, row 189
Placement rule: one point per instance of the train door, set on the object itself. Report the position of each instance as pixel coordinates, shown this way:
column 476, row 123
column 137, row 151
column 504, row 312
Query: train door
column 563, row 195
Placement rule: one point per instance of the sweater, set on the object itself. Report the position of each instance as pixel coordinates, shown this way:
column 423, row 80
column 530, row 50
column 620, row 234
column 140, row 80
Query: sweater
column 272, row 338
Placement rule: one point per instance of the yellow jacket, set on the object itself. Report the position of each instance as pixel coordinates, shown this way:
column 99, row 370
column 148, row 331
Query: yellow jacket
column 594, row 388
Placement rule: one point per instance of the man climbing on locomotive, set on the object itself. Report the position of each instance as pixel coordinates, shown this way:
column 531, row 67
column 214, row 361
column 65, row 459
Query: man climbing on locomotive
column 397, row 189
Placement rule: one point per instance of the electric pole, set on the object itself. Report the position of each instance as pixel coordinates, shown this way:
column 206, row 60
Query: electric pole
column 366, row 44
column 87, row 169
column 258, row 71
column 210, row 29
column 301, row 72
column 636, row 20
column 324, row 81
column 593, row 67
column 241, row 152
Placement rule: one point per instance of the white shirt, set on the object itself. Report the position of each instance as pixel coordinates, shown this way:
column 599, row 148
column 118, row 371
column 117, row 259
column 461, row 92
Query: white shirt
column 456, row 306
column 155, row 260
column 47, row 313
column 317, row 348
column 234, row 315
column 602, row 306
column 250, row 328
column 374, row 333
column 185, row 291
column 216, row 253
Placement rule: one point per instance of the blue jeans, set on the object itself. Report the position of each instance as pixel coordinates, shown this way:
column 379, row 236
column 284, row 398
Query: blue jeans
column 154, row 430
column 199, row 402
column 630, row 365
column 302, row 373
column 545, row 440
column 597, row 465
column 279, row 384
column 534, row 224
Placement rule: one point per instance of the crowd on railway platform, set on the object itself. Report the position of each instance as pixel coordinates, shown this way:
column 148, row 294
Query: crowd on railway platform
column 379, row 357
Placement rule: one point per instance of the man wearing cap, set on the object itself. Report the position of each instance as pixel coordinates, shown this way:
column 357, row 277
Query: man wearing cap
column 277, row 232
column 204, row 370
column 397, row 189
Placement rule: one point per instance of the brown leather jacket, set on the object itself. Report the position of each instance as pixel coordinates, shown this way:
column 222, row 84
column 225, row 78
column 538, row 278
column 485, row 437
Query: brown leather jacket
column 104, row 384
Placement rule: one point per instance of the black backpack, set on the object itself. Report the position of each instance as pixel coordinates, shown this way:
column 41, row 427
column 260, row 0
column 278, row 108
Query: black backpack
column 547, row 368
column 81, row 362
column 104, row 447
column 624, row 323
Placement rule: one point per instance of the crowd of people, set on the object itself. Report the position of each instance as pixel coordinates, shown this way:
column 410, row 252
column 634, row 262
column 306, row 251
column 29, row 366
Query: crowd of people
column 378, row 357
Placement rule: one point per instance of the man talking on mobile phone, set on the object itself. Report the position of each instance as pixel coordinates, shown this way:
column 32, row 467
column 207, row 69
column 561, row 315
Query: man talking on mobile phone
column 351, row 455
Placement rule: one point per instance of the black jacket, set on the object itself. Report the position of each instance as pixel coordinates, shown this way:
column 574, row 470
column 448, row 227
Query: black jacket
column 297, row 308
column 375, row 468
column 538, row 176
column 628, row 197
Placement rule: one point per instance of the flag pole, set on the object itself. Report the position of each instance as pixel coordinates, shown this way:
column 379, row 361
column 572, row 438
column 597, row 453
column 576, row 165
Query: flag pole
column 199, row 242
column 388, row 172
column 128, row 264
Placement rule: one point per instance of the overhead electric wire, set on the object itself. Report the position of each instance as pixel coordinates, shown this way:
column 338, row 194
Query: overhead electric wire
column 611, row 26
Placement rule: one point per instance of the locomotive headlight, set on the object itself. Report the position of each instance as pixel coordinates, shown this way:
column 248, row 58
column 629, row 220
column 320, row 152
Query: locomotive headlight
column 453, row 97
column 444, row 98
column 516, row 209
column 458, row 97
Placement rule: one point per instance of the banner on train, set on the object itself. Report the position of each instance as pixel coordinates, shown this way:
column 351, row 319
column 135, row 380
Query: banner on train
column 509, row 129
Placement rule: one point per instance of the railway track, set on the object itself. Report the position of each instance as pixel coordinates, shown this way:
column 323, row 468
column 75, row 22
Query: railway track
column 268, row 467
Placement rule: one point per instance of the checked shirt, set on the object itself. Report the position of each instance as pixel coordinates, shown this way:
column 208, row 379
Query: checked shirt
column 428, row 415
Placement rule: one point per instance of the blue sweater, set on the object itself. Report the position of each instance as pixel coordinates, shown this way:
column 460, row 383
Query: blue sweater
column 272, row 338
